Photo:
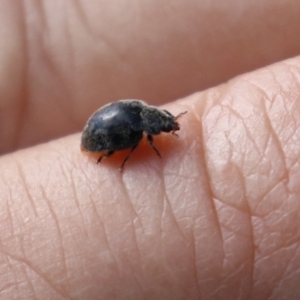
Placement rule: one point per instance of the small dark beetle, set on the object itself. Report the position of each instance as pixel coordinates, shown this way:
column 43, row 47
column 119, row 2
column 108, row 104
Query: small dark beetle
column 121, row 125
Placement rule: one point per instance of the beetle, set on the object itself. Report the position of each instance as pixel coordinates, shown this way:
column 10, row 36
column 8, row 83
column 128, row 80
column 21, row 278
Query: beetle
column 121, row 125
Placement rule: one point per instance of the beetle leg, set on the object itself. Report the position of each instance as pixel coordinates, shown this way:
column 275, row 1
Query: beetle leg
column 127, row 157
column 108, row 154
column 175, row 134
column 151, row 142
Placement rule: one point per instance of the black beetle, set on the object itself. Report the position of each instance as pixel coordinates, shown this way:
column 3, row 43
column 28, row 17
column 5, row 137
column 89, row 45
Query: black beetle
column 121, row 125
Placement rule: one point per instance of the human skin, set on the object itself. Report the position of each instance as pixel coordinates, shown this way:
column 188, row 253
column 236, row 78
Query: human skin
column 217, row 217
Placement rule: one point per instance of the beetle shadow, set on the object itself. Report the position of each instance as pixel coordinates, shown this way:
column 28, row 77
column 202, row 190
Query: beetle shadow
column 166, row 145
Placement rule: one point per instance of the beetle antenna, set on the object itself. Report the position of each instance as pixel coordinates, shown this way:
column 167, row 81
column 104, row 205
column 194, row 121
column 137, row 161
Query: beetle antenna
column 181, row 114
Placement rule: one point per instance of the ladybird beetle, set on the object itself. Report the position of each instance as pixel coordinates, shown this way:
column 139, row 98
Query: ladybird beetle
column 120, row 125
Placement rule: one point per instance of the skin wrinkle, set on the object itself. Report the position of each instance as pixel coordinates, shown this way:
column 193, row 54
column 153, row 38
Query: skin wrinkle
column 208, row 177
column 293, row 132
column 295, row 77
column 29, row 281
column 270, row 126
column 273, row 294
column 139, row 258
column 289, row 139
column 281, row 151
column 167, row 202
column 180, row 175
column 231, row 275
column 275, row 137
column 198, row 288
column 137, row 281
column 135, row 239
column 124, row 189
column 265, row 195
column 8, row 208
column 76, row 198
column 287, row 270
column 25, row 262
column 143, row 230
column 106, row 237
column 241, row 177
column 18, row 288
column 243, row 158
column 10, row 221
column 277, row 142
column 8, row 286
column 63, row 259
column 253, row 170
column 251, row 237
column 252, row 256
column 269, row 256
column 277, row 278
column 273, row 251
column 105, row 233
column 291, row 71
column 58, row 230
column 25, row 184
column 210, row 191
column 13, row 282
column 239, row 117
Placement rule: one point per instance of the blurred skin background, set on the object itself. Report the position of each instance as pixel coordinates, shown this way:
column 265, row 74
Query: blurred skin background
column 217, row 217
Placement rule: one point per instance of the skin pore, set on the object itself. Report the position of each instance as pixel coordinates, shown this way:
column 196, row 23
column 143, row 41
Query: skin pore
column 216, row 217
